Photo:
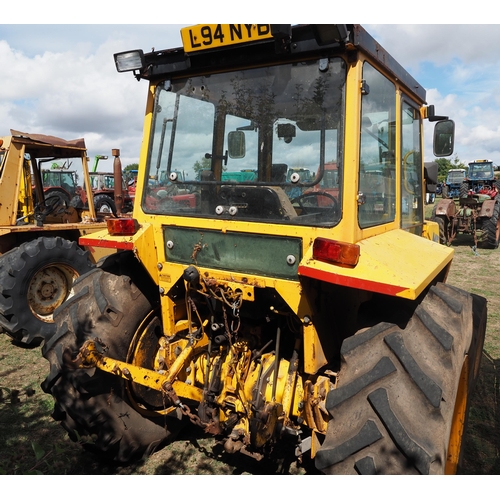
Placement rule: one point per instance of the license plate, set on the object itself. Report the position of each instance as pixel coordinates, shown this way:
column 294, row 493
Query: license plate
column 212, row 36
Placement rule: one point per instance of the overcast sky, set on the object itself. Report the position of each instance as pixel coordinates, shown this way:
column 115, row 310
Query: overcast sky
column 60, row 79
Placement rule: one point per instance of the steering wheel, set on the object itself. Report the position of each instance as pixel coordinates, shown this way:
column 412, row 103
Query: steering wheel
column 52, row 204
column 308, row 208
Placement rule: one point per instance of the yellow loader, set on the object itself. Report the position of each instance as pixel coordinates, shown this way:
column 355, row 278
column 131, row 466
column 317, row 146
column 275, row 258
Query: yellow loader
column 40, row 255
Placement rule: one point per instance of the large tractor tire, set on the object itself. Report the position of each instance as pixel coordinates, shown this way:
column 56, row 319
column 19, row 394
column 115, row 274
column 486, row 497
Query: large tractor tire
column 104, row 204
column 402, row 400
column 443, row 223
column 116, row 416
column 464, row 190
column 76, row 202
column 35, row 278
column 63, row 197
column 490, row 237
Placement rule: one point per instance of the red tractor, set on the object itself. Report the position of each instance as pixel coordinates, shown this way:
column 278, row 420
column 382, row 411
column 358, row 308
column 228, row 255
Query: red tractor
column 478, row 208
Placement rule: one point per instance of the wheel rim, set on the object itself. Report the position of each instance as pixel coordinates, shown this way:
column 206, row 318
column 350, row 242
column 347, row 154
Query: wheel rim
column 144, row 351
column 105, row 208
column 458, row 423
column 48, row 289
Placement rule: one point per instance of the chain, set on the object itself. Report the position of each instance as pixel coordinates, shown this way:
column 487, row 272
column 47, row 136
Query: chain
column 169, row 391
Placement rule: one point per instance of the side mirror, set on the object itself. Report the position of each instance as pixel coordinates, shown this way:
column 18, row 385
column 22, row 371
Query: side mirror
column 236, row 144
column 444, row 138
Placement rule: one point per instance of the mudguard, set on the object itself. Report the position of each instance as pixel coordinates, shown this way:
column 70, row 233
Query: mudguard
column 487, row 208
column 446, row 207
column 380, row 268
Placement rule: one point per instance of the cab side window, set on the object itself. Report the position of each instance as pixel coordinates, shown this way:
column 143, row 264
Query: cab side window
column 377, row 179
column 411, row 168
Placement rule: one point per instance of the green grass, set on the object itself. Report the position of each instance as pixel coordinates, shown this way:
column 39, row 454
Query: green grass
column 479, row 272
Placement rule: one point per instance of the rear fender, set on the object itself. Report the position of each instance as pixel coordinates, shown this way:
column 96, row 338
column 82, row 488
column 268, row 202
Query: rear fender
column 487, row 208
column 446, row 207
column 395, row 263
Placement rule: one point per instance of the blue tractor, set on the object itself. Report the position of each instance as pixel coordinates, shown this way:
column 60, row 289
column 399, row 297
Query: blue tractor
column 451, row 187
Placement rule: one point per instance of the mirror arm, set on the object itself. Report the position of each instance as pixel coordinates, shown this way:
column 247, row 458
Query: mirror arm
column 224, row 157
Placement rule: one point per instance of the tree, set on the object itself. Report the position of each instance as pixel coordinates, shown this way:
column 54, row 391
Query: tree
column 132, row 166
column 204, row 164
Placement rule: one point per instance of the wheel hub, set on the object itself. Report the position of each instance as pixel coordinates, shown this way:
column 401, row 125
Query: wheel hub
column 48, row 289
column 105, row 209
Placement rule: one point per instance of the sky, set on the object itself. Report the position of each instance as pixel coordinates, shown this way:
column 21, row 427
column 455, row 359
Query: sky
column 60, row 79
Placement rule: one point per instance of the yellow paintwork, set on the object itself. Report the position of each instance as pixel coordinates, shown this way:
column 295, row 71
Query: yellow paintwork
column 25, row 204
column 239, row 380
column 458, row 422
column 431, row 231
column 88, row 186
column 10, row 181
column 381, row 268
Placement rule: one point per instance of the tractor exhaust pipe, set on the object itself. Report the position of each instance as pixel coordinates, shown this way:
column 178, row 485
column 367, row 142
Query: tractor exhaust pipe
column 117, row 173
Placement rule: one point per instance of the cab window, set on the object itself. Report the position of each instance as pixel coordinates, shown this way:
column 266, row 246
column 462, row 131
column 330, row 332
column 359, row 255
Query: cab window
column 411, row 171
column 377, row 159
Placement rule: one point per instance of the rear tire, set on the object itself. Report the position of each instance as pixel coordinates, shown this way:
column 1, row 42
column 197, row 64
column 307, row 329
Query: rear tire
column 90, row 402
column 442, row 222
column 36, row 278
column 402, row 401
column 76, row 202
column 104, row 204
column 56, row 193
column 490, row 237
column 464, row 190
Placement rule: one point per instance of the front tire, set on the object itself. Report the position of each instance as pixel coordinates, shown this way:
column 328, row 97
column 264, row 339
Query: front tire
column 402, row 401
column 118, row 416
column 36, row 278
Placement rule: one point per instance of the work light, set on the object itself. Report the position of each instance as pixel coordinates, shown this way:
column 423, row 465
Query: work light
column 131, row 60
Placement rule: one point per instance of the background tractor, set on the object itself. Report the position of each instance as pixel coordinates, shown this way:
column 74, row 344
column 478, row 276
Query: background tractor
column 40, row 256
column 480, row 179
column 451, row 187
column 104, row 192
column 59, row 182
column 478, row 210
column 263, row 311
column 103, row 187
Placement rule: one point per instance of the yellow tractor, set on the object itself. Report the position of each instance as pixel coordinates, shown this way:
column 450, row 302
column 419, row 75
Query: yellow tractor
column 40, row 256
column 258, row 308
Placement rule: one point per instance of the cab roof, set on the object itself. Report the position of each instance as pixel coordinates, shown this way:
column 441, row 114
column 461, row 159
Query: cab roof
column 302, row 41
column 45, row 146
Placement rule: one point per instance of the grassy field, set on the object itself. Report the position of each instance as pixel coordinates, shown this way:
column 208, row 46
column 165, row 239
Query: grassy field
column 31, row 442
column 480, row 273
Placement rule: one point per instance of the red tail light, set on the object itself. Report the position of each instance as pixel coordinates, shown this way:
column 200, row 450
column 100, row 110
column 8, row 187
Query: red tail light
column 336, row 252
column 122, row 227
